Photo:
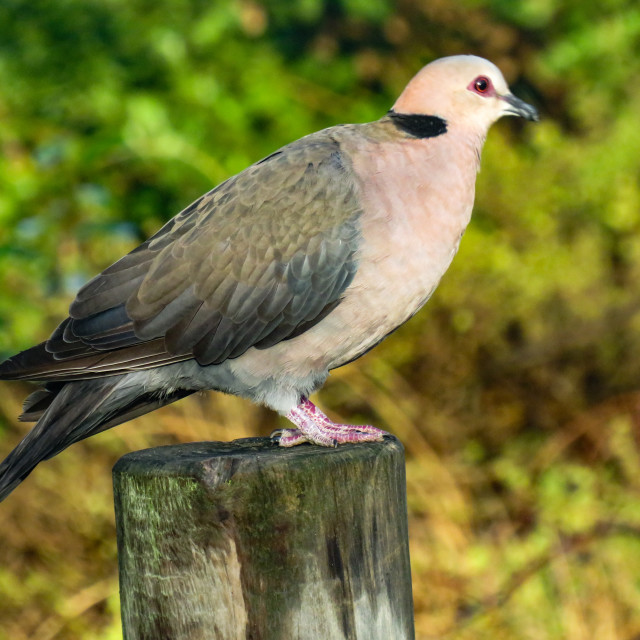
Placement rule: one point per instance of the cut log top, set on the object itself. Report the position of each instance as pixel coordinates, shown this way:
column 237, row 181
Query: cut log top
column 184, row 459
column 248, row 540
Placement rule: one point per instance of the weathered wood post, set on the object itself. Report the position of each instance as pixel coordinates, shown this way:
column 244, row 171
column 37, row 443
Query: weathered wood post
column 245, row 540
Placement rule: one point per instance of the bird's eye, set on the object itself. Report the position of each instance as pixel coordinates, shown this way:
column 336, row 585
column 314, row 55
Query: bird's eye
column 482, row 84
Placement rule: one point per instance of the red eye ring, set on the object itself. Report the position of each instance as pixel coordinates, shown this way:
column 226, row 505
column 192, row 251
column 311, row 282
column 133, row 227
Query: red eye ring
column 482, row 84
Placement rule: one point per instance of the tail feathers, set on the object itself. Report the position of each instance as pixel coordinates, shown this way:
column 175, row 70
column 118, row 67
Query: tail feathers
column 39, row 401
column 72, row 412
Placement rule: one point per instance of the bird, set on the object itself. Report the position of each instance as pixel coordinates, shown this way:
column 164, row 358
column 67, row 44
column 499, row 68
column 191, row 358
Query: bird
column 297, row 265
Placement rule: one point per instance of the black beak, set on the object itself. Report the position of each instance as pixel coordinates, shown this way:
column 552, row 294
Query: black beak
column 520, row 108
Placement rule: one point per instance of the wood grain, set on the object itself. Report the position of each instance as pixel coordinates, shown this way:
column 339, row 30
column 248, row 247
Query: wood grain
column 246, row 540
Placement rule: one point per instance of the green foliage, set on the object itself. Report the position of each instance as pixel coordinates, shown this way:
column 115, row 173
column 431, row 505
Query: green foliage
column 512, row 391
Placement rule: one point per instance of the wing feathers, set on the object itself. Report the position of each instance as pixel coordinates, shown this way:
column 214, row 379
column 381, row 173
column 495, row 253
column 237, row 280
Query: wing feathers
column 259, row 259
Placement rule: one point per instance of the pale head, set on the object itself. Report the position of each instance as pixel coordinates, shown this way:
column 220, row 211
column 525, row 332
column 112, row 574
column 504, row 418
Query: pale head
column 466, row 91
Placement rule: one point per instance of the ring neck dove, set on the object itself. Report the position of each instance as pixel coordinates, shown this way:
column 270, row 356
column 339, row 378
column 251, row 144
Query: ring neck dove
column 299, row 264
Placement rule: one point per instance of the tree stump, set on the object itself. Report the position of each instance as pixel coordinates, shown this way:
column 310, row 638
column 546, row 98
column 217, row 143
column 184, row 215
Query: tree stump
column 247, row 540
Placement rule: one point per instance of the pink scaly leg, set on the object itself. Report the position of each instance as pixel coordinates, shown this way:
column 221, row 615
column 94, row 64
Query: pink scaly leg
column 314, row 426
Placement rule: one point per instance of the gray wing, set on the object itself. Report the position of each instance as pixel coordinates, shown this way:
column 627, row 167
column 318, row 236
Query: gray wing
column 259, row 259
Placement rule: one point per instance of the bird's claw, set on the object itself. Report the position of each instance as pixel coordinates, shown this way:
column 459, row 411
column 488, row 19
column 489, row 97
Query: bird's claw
column 288, row 437
column 315, row 427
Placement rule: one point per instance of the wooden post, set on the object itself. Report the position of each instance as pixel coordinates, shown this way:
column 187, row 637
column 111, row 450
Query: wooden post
column 245, row 540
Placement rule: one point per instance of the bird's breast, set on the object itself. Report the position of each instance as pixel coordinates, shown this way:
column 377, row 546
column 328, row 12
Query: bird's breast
column 416, row 202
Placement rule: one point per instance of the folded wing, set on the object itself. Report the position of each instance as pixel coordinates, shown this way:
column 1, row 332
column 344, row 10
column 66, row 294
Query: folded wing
column 259, row 259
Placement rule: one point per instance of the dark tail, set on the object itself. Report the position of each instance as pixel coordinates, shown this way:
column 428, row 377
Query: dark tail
column 73, row 411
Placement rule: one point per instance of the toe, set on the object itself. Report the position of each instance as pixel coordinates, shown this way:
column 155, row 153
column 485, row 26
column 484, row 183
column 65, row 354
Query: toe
column 289, row 437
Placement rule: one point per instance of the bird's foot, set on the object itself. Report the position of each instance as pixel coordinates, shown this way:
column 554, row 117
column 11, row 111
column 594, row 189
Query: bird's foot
column 314, row 426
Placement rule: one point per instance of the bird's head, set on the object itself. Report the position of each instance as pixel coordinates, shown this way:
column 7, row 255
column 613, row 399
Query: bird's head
column 465, row 91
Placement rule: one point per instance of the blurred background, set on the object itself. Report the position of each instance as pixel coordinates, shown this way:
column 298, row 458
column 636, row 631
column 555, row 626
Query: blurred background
column 514, row 391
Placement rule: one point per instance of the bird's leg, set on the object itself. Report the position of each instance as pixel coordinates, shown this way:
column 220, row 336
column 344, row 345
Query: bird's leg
column 314, row 426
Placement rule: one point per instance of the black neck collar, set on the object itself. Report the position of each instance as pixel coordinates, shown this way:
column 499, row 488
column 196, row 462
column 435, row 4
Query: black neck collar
column 417, row 125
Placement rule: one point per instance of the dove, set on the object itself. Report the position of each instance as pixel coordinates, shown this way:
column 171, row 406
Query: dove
column 298, row 265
